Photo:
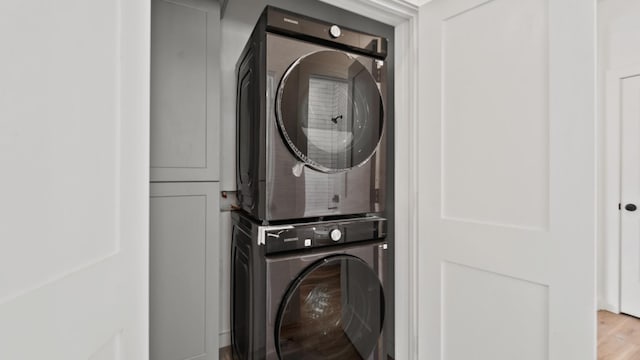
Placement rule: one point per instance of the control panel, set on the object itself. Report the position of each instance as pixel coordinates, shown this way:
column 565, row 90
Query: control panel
column 305, row 28
column 320, row 234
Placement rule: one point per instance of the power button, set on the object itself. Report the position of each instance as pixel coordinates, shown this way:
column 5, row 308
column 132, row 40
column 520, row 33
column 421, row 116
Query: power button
column 335, row 234
column 335, row 31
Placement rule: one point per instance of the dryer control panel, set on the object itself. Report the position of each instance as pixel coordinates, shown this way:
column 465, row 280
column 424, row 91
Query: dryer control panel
column 305, row 28
column 320, row 234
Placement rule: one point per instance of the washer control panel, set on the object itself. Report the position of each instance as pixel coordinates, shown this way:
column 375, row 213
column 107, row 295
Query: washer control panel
column 301, row 236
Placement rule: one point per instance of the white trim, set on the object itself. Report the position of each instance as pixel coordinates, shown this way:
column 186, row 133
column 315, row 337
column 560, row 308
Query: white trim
column 406, row 190
column 404, row 16
column 391, row 12
column 135, row 69
column 612, row 158
column 224, row 339
column 609, row 307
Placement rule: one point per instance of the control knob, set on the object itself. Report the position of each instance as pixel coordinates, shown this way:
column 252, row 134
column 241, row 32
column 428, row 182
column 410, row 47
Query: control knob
column 335, row 234
column 335, row 31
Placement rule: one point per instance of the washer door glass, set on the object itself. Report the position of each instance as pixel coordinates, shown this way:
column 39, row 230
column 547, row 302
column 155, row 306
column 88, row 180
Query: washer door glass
column 330, row 111
column 334, row 310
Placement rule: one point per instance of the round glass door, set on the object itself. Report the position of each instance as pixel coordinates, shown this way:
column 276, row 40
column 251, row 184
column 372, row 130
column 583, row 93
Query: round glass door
column 330, row 111
column 333, row 311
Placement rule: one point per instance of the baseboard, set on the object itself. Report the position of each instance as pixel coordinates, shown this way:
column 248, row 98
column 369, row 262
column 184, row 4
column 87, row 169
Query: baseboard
column 224, row 338
column 603, row 305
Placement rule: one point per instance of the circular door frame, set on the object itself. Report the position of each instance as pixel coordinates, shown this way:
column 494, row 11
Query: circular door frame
column 295, row 284
column 282, row 128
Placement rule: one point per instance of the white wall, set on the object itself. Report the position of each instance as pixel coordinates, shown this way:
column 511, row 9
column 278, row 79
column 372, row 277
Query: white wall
column 619, row 31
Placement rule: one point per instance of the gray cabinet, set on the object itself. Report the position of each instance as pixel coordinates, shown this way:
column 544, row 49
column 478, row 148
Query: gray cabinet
column 184, row 207
column 185, row 90
column 184, row 272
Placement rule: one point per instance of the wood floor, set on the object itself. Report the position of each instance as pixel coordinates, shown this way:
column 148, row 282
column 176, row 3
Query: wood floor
column 225, row 354
column 618, row 337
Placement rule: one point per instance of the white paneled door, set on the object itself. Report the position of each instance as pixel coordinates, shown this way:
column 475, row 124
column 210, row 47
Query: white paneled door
column 506, row 180
column 74, row 149
column 630, row 196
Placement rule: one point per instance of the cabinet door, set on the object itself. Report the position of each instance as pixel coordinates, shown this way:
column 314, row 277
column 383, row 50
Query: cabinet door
column 185, row 94
column 184, row 271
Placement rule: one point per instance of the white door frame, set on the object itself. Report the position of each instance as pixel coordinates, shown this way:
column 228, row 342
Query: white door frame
column 611, row 166
column 403, row 15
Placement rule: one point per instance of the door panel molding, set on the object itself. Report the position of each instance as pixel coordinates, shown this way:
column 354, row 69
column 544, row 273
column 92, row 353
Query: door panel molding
column 55, row 201
column 481, row 182
column 468, row 310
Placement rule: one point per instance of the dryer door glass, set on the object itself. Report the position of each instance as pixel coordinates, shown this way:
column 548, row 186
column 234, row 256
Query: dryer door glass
column 330, row 111
column 334, row 310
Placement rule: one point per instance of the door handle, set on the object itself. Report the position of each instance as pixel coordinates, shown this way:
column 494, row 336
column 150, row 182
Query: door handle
column 630, row 207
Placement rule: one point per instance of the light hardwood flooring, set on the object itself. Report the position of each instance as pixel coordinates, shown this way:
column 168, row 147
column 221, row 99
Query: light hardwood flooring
column 618, row 336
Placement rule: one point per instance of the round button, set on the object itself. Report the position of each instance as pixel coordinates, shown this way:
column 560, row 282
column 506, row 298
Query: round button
column 335, row 31
column 335, row 234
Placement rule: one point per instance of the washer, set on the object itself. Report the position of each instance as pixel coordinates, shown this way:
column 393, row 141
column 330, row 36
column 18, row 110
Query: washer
column 308, row 291
column 311, row 100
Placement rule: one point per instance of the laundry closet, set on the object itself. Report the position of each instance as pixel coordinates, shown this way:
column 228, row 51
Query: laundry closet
column 196, row 46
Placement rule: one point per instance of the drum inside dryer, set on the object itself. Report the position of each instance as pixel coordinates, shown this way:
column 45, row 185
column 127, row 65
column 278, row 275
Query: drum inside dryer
column 330, row 111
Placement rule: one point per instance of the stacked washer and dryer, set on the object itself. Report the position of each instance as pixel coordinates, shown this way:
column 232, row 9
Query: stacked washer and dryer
column 309, row 251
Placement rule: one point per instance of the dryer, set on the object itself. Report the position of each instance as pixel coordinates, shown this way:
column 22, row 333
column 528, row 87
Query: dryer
column 311, row 100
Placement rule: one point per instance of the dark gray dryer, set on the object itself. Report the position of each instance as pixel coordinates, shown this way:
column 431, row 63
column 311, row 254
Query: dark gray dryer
column 309, row 291
column 311, row 100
